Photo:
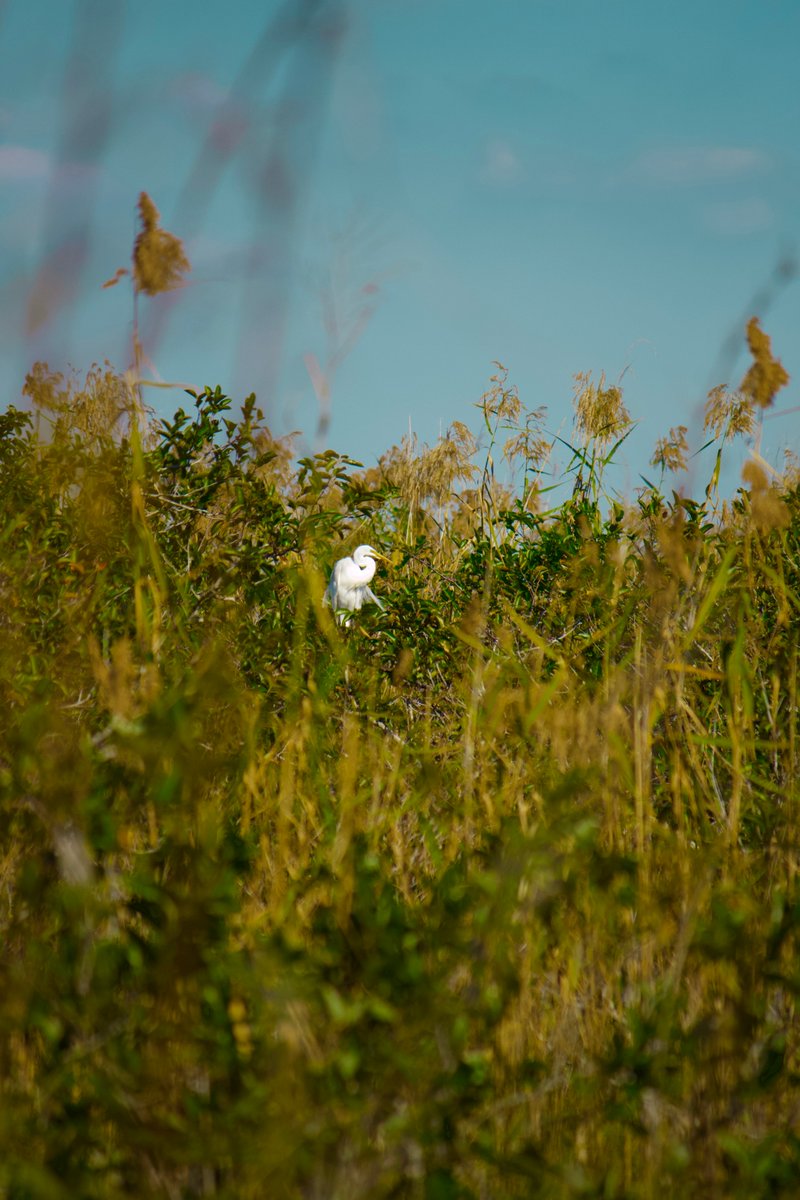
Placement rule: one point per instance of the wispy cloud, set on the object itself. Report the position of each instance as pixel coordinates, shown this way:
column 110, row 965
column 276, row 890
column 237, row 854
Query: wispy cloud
column 694, row 166
column 23, row 163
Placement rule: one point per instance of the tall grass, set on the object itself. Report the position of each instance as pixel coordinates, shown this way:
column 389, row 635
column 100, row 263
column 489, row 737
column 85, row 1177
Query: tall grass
column 491, row 894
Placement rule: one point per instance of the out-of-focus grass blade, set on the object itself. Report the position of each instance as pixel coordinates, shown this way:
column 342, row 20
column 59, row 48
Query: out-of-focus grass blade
column 532, row 636
column 715, row 590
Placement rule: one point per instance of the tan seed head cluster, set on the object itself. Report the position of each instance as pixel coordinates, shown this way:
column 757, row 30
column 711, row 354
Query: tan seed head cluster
column 599, row 411
column 159, row 260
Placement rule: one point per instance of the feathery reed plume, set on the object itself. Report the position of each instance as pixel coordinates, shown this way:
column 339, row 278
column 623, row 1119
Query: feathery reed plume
column 529, row 443
column 427, row 475
column 767, row 508
column 159, row 263
column 159, row 260
column 670, row 452
column 728, row 413
column 599, row 411
column 500, row 401
column 93, row 409
column 767, row 375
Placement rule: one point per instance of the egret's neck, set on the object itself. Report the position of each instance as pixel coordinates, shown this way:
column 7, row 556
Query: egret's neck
column 367, row 569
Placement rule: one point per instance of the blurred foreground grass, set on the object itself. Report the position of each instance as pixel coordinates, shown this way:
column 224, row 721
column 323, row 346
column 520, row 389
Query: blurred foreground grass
column 493, row 894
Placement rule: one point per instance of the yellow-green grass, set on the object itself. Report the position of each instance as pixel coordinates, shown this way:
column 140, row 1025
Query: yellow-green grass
column 490, row 894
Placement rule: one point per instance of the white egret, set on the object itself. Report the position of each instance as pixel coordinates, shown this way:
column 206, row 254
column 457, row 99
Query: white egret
column 349, row 583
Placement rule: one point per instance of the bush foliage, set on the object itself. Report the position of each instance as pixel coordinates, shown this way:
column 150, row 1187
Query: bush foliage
column 493, row 893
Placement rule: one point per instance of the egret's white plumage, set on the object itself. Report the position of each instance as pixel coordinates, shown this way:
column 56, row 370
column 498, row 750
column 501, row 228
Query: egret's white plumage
column 349, row 583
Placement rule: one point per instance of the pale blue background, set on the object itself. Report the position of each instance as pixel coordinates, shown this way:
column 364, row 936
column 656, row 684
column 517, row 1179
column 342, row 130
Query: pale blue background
column 563, row 185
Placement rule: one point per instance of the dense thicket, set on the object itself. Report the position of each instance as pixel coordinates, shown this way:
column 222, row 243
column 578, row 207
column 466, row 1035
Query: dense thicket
column 490, row 894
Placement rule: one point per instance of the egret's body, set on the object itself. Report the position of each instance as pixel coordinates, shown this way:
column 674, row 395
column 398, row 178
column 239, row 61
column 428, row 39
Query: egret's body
column 349, row 583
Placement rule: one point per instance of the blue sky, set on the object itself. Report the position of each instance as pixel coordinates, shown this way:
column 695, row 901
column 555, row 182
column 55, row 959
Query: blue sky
column 412, row 190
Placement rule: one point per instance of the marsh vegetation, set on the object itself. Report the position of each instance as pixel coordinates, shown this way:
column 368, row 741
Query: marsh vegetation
column 494, row 893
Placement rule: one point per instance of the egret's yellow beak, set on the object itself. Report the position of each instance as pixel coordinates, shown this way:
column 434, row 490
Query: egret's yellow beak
column 382, row 557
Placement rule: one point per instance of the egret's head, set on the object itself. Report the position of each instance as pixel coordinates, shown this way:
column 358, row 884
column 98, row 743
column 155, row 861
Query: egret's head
column 361, row 555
